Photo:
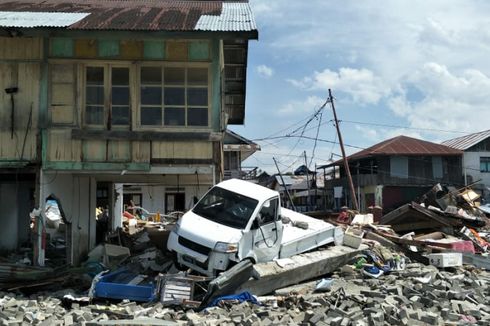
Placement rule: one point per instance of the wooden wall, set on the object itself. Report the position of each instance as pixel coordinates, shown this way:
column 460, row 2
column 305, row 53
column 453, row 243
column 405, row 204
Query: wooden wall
column 23, row 73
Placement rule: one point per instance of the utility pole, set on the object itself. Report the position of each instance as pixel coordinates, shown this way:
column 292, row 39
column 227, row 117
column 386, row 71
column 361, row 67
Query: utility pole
column 307, row 182
column 284, row 185
column 346, row 164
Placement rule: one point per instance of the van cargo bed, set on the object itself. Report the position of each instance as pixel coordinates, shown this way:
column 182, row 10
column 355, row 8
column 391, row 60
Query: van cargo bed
column 296, row 240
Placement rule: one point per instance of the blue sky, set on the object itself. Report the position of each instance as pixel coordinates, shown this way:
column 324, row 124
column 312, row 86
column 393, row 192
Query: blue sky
column 423, row 65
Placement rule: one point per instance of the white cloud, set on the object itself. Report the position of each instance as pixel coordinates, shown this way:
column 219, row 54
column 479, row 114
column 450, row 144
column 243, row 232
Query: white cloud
column 451, row 101
column 265, row 71
column 361, row 84
column 309, row 105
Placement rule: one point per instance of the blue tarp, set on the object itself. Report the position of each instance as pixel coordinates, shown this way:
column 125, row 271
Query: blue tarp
column 241, row 297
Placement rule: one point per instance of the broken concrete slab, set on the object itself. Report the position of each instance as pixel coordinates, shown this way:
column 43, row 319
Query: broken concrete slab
column 268, row 277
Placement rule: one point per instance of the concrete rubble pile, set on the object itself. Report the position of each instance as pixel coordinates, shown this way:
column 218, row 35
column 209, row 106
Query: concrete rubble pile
column 417, row 295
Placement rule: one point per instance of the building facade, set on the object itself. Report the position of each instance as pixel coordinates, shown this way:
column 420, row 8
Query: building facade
column 98, row 97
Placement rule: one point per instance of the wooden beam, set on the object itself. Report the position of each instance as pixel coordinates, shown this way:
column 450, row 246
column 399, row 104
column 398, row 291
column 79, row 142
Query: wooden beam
column 182, row 161
column 93, row 166
column 140, row 135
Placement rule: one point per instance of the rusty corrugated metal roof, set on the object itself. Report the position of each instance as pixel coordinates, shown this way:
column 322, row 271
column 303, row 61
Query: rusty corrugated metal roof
column 146, row 15
column 402, row 145
column 465, row 142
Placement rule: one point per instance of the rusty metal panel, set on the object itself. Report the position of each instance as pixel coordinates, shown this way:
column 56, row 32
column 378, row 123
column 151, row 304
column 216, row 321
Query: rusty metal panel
column 131, row 49
column 176, row 51
column 85, row 48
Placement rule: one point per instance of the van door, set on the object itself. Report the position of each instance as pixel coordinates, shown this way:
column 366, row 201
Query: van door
column 267, row 235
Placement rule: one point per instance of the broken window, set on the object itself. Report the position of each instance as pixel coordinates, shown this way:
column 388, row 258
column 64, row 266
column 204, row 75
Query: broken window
column 174, row 96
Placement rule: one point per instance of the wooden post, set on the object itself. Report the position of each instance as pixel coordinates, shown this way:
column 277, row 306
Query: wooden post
column 346, row 163
column 284, row 185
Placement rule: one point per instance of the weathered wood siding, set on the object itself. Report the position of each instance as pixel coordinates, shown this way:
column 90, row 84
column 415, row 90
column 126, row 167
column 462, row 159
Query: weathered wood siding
column 26, row 77
column 20, row 48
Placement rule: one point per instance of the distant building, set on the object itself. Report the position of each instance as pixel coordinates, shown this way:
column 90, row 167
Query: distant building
column 236, row 149
column 476, row 159
column 394, row 172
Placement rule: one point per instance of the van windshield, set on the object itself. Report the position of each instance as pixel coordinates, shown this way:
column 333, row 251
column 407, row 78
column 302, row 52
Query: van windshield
column 226, row 207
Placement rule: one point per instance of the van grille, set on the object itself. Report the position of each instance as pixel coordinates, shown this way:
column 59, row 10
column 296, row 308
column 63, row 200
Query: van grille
column 194, row 246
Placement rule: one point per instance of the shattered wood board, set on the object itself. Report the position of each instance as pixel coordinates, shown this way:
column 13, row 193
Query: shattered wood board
column 270, row 276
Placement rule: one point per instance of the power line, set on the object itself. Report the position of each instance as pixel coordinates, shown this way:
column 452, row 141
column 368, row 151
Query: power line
column 404, row 127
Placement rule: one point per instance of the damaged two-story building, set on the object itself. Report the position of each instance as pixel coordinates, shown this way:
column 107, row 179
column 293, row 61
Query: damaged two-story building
column 101, row 96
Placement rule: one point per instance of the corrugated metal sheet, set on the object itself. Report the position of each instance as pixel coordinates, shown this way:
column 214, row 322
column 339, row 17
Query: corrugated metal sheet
column 154, row 15
column 39, row 19
column 402, row 145
column 233, row 17
column 465, row 142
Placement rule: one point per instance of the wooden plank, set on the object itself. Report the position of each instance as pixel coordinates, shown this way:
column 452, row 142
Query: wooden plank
column 119, row 151
column 20, row 48
column 176, row 51
column 141, row 151
column 108, row 48
column 199, row 50
column 131, row 50
column 94, row 166
column 139, row 135
column 85, row 48
column 154, row 49
column 60, row 146
column 94, row 150
column 62, row 47
column 181, row 150
column 181, row 161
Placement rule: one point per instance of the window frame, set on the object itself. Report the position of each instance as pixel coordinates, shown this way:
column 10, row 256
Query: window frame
column 162, row 106
column 485, row 160
column 108, row 105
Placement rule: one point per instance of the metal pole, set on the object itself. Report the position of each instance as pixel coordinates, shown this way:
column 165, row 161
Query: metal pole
column 346, row 164
column 307, row 183
column 284, row 185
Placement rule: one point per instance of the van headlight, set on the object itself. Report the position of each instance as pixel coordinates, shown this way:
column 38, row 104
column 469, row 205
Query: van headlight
column 226, row 247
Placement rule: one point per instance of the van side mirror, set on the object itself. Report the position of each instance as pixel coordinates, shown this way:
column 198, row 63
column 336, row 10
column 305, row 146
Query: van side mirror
column 257, row 221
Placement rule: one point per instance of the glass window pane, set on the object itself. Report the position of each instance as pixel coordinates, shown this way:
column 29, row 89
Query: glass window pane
column 151, row 116
column 174, row 116
column 197, row 117
column 94, row 95
column 151, row 95
column 197, row 96
column 120, row 95
column 174, row 96
column 174, row 76
column 197, row 76
column 120, row 76
column 120, row 115
column 95, row 76
column 94, row 115
column 151, row 75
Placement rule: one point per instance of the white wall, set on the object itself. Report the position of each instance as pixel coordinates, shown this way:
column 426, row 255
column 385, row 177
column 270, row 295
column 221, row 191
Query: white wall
column 153, row 196
column 472, row 165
